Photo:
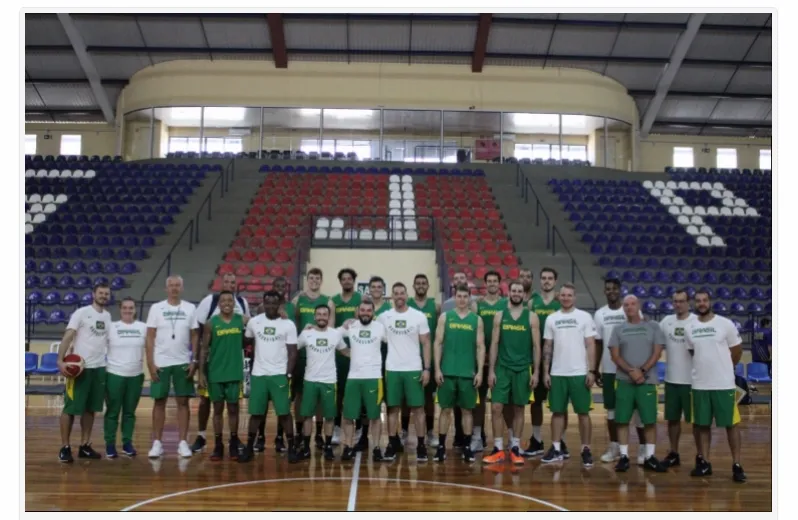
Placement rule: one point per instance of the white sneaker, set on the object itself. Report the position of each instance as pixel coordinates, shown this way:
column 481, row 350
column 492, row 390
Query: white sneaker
column 641, row 459
column 432, row 439
column 476, row 444
column 610, row 455
column 183, row 450
column 336, row 437
column 156, row 452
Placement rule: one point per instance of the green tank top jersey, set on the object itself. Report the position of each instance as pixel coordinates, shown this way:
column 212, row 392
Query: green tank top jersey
column 226, row 356
column 306, row 308
column 430, row 310
column 459, row 358
column 385, row 307
column 346, row 310
column 543, row 310
column 487, row 312
column 290, row 311
column 515, row 341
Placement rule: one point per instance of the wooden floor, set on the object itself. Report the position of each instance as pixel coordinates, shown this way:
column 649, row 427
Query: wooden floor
column 270, row 483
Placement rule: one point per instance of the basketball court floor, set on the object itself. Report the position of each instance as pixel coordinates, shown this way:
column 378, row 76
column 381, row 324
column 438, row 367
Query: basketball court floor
column 269, row 483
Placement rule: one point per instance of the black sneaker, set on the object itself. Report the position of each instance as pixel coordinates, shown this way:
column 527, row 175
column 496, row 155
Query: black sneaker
column 653, row 464
column 587, row 458
column 328, row 453
column 218, row 452
column 564, row 450
column 65, row 455
column 622, row 465
column 376, row 455
column 738, row 475
column 319, row 440
column 702, row 468
column 390, row 452
column 260, row 444
column 535, row 448
column 235, row 448
column 552, row 456
column 87, row 452
column 304, row 453
column 468, row 455
column 362, row 444
column 440, row 454
column 293, row 458
column 246, row 455
column 421, row 453
column 348, row 454
column 672, row 460
column 199, row 444
column 399, row 447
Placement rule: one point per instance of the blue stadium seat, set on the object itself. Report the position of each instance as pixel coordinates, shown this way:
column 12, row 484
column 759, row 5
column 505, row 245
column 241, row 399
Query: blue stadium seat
column 758, row 373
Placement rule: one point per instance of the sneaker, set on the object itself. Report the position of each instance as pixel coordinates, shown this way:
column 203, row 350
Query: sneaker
column 421, row 453
column 653, row 464
column 534, row 449
column 183, row 450
column 702, row 468
column 279, row 445
column 376, row 455
column 65, row 455
column 738, row 475
column 552, row 456
column 303, row 453
column 156, row 452
column 235, row 448
column 432, row 439
column 362, row 444
column 319, row 440
column 440, row 454
column 390, row 452
column 328, row 453
column 260, row 444
column 641, row 458
column 246, row 455
column 128, row 449
column 587, row 457
column 199, row 444
column 564, row 450
column 110, row 451
column 458, row 443
column 495, row 457
column 218, row 452
column 611, row 455
column 623, row 464
column 336, row 437
column 672, row 460
column 477, row 446
column 87, row 452
column 468, row 454
column 348, row 454
column 293, row 458
column 516, row 457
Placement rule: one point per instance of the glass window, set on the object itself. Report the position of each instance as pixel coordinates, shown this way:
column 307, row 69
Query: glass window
column 727, row 158
column 30, row 145
column 575, row 153
column 523, row 151
column 683, row 157
column 233, row 145
column 214, row 144
column 70, row 145
column 541, row 151
column 764, row 158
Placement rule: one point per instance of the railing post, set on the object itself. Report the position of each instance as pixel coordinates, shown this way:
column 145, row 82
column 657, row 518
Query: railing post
column 210, row 203
column 169, row 264
column 191, row 236
column 549, row 238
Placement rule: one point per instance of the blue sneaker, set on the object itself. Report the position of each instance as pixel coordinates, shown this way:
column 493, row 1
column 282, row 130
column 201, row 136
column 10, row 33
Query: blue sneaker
column 128, row 449
column 110, row 451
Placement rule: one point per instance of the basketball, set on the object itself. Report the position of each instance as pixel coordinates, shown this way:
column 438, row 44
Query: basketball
column 74, row 365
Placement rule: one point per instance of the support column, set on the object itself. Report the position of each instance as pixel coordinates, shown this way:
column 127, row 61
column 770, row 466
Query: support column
column 501, row 137
column 321, row 130
column 606, row 143
column 381, row 155
column 440, row 154
column 260, row 140
column 559, row 125
column 152, row 133
column 202, row 131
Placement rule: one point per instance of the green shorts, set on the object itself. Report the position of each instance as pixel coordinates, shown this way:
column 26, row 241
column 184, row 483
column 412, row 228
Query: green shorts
column 227, row 391
column 298, row 377
column 677, row 402
column 512, row 387
column 573, row 389
column 176, row 376
column 360, row 393
column 720, row 405
column 631, row 397
column 404, row 386
column 85, row 393
column 315, row 394
column 457, row 391
column 608, row 391
column 269, row 388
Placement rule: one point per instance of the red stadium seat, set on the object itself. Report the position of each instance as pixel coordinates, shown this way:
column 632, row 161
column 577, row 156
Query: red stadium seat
column 510, row 260
column 265, row 256
column 242, row 270
column 276, row 270
column 249, row 256
column 260, row 270
column 232, row 256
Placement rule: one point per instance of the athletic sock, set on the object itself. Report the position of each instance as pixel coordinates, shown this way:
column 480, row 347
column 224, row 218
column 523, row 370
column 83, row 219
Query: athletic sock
column 251, row 440
column 306, row 440
column 290, row 439
column 557, row 445
column 650, row 448
column 458, row 423
column 624, row 449
column 328, row 440
column 405, row 422
column 319, row 427
column 498, row 443
column 338, row 421
column 442, row 439
column 202, row 434
column 394, row 441
column 422, row 441
column 614, row 446
column 298, row 427
column 280, row 430
column 536, row 433
column 218, row 438
column 477, row 431
column 515, row 442
column 430, row 421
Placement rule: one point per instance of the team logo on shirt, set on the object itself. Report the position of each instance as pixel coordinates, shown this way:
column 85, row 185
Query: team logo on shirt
column 567, row 323
column 321, row 345
column 98, row 329
column 100, row 325
column 269, row 331
column 321, row 342
column 678, row 331
column 269, row 334
column 364, row 334
column 400, row 324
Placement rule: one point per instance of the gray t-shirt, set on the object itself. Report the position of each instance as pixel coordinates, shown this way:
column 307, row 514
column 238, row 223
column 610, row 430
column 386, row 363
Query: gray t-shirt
column 449, row 305
column 636, row 343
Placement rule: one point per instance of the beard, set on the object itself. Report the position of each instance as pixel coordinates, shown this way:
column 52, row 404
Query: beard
column 703, row 312
column 321, row 324
column 516, row 300
column 365, row 320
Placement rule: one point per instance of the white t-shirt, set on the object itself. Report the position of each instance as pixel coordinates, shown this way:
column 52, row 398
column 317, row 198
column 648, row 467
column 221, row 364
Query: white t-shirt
column 710, row 343
column 172, row 320
column 568, row 330
column 364, row 343
column 91, row 335
column 321, row 347
column 679, row 366
column 605, row 321
column 201, row 314
column 403, row 330
column 271, row 340
column 126, row 348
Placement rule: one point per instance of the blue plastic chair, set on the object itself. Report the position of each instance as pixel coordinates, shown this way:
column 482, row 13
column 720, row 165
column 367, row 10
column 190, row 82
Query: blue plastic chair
column 758, row 373
column 661, row 371
column 31, row 362
column 49, row 365
column 739, row 370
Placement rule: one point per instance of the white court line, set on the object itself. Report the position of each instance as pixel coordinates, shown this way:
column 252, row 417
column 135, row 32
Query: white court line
column 309, row 479
column 353, row 487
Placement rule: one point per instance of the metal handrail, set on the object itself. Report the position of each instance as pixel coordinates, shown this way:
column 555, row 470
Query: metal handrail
column 168, row 260
column 225, row 186
column 574, row 267
column 523, row 183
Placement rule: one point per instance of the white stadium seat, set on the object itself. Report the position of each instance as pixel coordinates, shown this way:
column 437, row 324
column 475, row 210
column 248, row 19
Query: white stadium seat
column 738, row 212
column 692, row 230
column 41, row 173
column 34, row 197
column 700, row 210
column 648, row 185
column 678, row 201
column 50, row 208
column 718, row 186
column 380, row 234
column 713, row 211
column 751, row 212
column 323, row 222
column 687, row 210
column 395, row 223
column 702, row 241
column 409, row 213
column 396, row 195
column 660, row 185
column 77, row 174
column 656, row 192
column 408, row 204
column 728, row 194
column 706, row 186
column 683, row 220
column 706, row 230
column 740, row 203
column 728, row 201
column 396, row 235
column 36, row 208
column 668, row 193
column 407, row 186
column 337, row 223
column 407, row 179
column 665, row 201
column 394, row 204
column 28, row 218
column 695, row 185
column 53, row 174
column 408, row 195
column 716, row 241
column 395, row 212
column 671, row 185
column 366, row 234
column 89, row 174
column 674, row 210
column 683, row 185
column 48, row 198
column 350, row 234
column 336, row 234
column 697, row 220
column 65, row 174
column 394, row 186
column 725, row 211
column 61, row 198
column 28, row 228
column 38, row 218
column 394, row 178
column 411, row 236
column 717, row 194
column 30, row 172
column 320, row 234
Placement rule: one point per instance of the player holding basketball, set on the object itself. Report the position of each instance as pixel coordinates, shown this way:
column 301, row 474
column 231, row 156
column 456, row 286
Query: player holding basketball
column 459, row 360
column 222, row 359
column 87, row 335
column 514, row 370
column 346, row 305
column 275, row 355
column 125, row 377
column 430, row 309
column 171, row 340
column 716, row 347
column 569, row 345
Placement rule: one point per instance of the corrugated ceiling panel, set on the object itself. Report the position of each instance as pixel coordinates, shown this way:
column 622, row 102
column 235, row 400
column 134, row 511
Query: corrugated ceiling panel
column 642, row 104
column 636, row 76
column 757, row 19
column 531, row 16
column 379, row 35
column 67, row 95
column 698, row 78
column 762, row 50
column 519, row 39
column 513, row 62
column 47, row 65
column 113, row 94
column 570, row 64
column 646, row 43
column 742, row 109
column 686, row 109
column 315, row 34
column 119, row 30
column 32, row 98
column 584, row 41
column 172, row 32
column 442, row 60
column 242, row 33
column 752, row 81
column 449, row 36
column 658, row 129
column 657, row 17
column 115, row 66
column 161, row 58
column 711, row 45
column 378, row 58
column 244, row 57
column 44, row 29
column 600, row 17
column 293, row 56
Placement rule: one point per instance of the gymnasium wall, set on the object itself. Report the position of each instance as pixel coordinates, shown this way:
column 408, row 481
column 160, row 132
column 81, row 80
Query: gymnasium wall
column 656, row 151
column 393, row 265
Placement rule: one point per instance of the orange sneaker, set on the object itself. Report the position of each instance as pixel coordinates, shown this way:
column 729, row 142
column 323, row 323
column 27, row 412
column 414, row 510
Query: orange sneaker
column 496, row 457
column 515, row 456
